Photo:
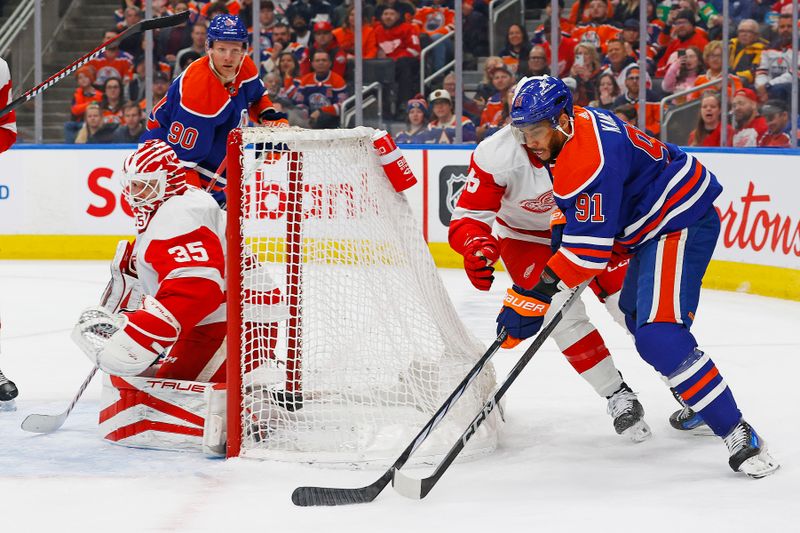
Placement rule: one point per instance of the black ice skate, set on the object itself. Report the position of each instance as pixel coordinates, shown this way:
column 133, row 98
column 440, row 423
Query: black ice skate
column 628, row 414
column 748, row 452
column 8, row 391
column 687, row 419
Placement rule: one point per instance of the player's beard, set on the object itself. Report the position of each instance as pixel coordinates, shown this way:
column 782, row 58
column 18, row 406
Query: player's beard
column 554, row 146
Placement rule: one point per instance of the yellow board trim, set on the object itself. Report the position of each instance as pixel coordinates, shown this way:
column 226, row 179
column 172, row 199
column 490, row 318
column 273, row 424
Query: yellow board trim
column 776, row 282
column 59, row 246
column 771, row 281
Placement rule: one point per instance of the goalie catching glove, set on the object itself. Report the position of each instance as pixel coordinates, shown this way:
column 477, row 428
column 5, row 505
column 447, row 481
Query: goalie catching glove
column 126, row 344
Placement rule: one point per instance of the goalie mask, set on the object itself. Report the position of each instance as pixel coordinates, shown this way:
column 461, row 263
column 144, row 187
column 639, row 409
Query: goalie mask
column 151, row 175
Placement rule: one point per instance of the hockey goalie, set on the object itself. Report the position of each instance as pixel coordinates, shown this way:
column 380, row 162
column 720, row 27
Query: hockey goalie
column 160, row 329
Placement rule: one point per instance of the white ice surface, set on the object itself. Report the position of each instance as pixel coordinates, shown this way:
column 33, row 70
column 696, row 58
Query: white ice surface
column 560, row 466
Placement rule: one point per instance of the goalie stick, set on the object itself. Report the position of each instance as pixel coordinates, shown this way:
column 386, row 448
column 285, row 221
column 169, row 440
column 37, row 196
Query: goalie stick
column 419, row 488
column 312, row 496
column 50, row 423
column 139, row 27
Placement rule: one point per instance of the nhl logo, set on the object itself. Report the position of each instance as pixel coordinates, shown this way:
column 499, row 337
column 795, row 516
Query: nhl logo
column 455, row 185
column 452, row 179
column 229, row 23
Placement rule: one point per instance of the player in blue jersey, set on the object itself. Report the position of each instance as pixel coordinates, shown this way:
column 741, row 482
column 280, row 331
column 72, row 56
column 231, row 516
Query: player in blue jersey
column 623, row 192
column 214, row 95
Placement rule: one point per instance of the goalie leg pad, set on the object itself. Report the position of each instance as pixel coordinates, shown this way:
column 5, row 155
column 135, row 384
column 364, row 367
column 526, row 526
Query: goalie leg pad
column 163, row 414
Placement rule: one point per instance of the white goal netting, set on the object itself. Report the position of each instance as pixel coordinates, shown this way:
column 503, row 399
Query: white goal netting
column 348, row 341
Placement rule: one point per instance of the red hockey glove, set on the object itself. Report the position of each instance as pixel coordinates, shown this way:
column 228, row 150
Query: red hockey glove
column 522, row 314
column 480, row 254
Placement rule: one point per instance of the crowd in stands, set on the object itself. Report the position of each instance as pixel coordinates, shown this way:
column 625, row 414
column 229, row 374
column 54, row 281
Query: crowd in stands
column 307, row 49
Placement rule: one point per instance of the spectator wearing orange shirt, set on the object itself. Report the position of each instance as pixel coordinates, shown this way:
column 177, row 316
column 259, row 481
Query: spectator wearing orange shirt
column 112, row 63
column 712, row 57
column 579, row 12
column 81, row 98
column 112, row 101
column 684, row 35
column 566, row 47
column 496, row 110
column 598, row 30
column 433, row 22
column 345, row 36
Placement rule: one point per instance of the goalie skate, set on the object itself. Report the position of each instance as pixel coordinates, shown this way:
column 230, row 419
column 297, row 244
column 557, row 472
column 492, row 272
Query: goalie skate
column 628, row 414
column 748, row 452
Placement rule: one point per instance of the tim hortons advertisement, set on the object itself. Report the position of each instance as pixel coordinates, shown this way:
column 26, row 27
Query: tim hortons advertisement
column 68, row 191
column 758, row 207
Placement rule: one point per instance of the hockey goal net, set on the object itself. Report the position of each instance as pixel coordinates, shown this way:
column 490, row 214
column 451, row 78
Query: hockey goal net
column 342, row 341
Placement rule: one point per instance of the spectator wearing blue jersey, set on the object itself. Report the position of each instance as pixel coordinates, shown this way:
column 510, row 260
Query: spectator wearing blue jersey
column 417, row 132
column 321, row 92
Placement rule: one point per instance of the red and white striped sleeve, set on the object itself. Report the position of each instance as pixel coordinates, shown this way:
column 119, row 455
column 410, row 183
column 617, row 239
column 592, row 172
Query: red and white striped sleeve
column 8, row 122
column 476, row 209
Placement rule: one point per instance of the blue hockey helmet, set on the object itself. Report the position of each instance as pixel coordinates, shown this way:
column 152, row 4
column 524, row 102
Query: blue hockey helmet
column 539, row 98
column 226, row 28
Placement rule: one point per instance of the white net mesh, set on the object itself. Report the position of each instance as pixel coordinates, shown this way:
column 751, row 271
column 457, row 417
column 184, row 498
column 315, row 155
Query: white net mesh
column 350, row 342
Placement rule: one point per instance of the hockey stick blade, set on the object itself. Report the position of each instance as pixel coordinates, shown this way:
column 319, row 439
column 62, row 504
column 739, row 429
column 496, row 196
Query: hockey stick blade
column 50, row 423
column 416, row 489
column 312, row 496
column 139, row 27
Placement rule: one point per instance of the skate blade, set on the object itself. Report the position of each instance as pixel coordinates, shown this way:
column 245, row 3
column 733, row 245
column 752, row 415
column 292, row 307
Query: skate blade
column 639, row 432
column 762, row 465
column 8, row 406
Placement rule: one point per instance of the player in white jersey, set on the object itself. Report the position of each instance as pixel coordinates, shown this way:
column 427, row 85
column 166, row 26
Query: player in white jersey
column 178, row 259
column 504, row 212
column 8, row 134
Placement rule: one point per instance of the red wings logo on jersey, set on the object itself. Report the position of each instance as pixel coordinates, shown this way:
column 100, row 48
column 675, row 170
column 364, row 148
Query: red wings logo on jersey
column 541, row 204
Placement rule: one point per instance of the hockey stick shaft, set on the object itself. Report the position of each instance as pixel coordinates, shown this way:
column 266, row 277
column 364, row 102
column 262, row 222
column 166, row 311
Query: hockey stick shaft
column 309, row 496
column 49, row 423
column 419, row 488
column 139, row 27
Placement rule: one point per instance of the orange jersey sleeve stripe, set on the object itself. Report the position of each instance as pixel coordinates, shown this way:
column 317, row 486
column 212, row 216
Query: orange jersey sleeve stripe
column 677, row 197
column 570, row 273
